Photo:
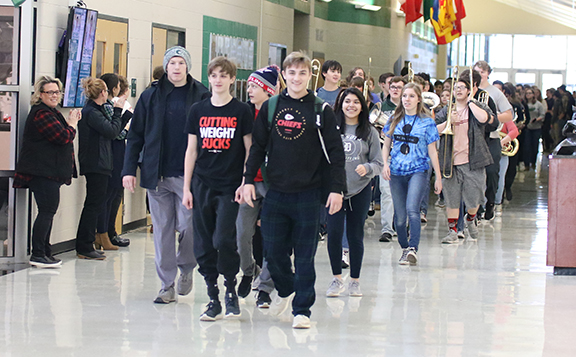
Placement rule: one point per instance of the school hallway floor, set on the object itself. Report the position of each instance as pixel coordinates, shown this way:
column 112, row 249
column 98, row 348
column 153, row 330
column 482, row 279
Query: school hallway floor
column 494, row 297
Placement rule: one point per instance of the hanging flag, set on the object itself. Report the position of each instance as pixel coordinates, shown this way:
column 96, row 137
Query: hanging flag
column 427, row 9
column 412, row 9
column 18, row 2
column 446, row 22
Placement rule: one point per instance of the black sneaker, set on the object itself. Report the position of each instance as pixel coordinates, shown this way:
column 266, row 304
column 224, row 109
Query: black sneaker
column 232, row 306
column 55, row 260
column 44, row 262
column 489, row 214
column 385, row 237
column 245, row 286
column 213, row 311
column 263, row 301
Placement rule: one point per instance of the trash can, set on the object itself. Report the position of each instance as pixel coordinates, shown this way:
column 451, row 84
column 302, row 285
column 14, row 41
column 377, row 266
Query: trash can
column 562, row 208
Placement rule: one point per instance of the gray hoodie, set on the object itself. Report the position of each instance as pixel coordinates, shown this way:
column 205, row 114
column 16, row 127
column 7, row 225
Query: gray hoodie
column 358, row 151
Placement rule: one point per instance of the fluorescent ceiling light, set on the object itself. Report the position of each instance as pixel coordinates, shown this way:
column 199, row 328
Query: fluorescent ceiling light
column 368, row 7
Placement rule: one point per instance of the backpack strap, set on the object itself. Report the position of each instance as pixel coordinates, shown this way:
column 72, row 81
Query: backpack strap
column 319, row 106
column 272, row 105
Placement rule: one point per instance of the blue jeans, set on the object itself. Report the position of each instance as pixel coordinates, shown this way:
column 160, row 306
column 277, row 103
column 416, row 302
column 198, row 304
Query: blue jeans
column 407, row 194
column 426, row 193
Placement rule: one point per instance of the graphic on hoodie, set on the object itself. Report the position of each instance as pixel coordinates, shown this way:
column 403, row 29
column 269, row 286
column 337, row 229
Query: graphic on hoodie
column 217, row 132
column 290, row 123
column 352, row 147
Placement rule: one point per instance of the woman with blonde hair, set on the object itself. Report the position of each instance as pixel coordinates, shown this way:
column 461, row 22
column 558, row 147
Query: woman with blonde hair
column 410, row 142
column 46, row 162
column 96, row 132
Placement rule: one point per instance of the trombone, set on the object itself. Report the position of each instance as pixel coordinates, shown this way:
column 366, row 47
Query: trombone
column 365, row 90
column 448, row 132
column 316, row 68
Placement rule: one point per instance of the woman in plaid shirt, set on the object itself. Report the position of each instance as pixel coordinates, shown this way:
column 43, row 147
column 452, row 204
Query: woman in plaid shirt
column 46, row 162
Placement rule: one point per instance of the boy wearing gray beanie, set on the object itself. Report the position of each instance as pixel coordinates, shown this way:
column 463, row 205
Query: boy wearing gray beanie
column 158, row 130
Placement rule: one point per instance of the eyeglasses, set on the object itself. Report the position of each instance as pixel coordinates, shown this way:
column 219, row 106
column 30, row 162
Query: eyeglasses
column 395, row 88
column 52, row 92
column 461, row 88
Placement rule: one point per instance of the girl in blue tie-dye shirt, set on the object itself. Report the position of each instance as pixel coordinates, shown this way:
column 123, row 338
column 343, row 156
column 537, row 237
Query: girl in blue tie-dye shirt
column 410, row 141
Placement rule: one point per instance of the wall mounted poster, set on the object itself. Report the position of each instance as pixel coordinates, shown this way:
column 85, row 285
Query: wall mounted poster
column 80, row 36
column 238, row 50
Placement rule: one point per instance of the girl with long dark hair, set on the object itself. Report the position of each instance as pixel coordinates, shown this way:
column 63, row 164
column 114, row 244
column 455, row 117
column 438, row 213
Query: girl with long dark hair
column 363, row 162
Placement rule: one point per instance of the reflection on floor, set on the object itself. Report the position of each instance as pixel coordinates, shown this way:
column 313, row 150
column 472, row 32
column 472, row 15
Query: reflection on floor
column 495, row 297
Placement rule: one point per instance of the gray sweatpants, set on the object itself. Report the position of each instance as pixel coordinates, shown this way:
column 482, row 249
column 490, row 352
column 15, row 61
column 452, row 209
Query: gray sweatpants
column 245, row 229
column 168, row 216
column 386, row 206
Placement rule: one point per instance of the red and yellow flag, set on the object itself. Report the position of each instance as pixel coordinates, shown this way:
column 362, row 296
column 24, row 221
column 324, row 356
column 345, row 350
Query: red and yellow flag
column 447, row 22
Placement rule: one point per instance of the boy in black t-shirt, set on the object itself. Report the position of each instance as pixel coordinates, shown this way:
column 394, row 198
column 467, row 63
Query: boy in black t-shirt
column 304, row 155
column 218, row 143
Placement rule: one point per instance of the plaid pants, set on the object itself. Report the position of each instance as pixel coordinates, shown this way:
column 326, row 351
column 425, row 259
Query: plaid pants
column 290, row 223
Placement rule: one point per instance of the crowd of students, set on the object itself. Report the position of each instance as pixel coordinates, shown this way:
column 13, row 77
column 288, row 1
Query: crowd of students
column 220, row 173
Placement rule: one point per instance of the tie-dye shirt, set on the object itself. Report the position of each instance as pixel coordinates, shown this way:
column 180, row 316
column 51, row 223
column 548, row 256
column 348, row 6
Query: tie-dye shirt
column 423, row 133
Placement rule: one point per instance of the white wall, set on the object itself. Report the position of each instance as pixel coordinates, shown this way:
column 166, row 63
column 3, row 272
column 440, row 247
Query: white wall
column 348, row 43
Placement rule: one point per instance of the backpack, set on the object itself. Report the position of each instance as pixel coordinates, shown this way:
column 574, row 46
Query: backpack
column 319, row 106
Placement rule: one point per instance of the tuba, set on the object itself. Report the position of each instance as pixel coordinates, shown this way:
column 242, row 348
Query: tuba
column 379, row 119
column 511, row 148
column 430, row 99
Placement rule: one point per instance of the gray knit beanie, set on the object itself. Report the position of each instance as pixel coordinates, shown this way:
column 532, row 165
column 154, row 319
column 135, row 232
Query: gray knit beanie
column 177, row 51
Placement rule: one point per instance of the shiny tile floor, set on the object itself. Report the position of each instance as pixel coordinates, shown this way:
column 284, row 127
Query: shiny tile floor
column 495, row 297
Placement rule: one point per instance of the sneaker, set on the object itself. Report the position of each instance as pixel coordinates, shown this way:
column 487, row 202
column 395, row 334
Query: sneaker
column 461, row 235
column 263, row 300
column 245, row 286
column 354, row 288
column 280, row 304
column 336, row 288
column 166, row 296
column 489, row 214
column 371, row 209
column 213, row 311
column 440, row 203
column 185, row 283
column 472, row 227
column 44, row 262
column 385, row 237
column 451, row 238
column 301, row 321
column 404, row 258
column 345, row 259
column 411, row 256
column 423, row 218
column 54, row 259
column 498, row 210
column 232, row 306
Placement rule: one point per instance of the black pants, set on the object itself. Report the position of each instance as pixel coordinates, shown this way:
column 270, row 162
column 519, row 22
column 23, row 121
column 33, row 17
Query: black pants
column 492, row 171
column 109, row 211
column 214, row 218
column 47, row 196
column 353, row 212
column 511, row 172
column 96, row 186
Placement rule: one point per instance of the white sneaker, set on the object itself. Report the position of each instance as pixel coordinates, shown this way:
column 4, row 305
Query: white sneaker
column 411, row 256
column 461, row 235
column 336, row 288
column 451, row 238
column 280, row 304
column 301, row 321
column 345, row 259
column 498, row 210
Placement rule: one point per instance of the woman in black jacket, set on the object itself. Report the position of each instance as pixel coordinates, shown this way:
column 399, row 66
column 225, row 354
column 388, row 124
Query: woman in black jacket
column 46, row 162
column 95, row 156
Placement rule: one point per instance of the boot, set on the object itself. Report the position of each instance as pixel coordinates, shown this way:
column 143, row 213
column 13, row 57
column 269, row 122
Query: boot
column 103, row 241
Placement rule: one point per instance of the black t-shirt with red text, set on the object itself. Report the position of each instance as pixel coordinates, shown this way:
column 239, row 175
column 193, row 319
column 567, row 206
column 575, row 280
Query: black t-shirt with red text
column 220, row 132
